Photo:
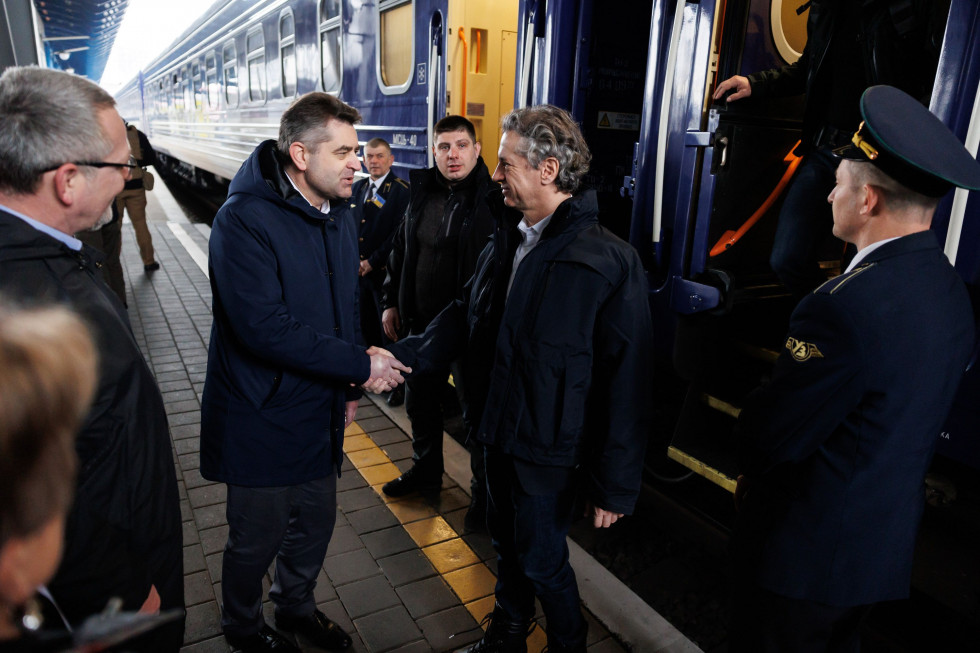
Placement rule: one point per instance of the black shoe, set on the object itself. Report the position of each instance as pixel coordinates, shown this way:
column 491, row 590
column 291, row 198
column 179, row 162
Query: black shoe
column 412, row 481
column 321, row 631
column 396, row 397
column 265, row 641
column 150, row 267
column 475, row 520
column 502, row 636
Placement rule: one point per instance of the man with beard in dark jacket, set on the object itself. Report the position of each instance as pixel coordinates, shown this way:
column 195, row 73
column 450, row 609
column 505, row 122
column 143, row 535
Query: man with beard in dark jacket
column 63, row 157
column 554, row 330
column 850, row 46
column 447, row 225
column 283, row 365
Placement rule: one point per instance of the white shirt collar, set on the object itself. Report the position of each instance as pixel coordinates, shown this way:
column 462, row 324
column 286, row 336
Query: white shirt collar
column 380, row 180
column 324, row 208
column 863, row 254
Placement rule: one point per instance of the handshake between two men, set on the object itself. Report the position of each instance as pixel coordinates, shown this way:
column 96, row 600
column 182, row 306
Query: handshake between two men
column 385, row 371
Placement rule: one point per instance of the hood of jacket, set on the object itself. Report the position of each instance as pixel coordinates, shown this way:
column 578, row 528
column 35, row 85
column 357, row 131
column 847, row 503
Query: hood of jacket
column 263, row 175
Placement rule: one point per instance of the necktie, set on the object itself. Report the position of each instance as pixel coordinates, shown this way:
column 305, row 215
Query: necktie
column 370, row 192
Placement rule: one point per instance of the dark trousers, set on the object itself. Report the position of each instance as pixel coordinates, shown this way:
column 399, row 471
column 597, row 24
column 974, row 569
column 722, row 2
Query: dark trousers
column 108, row 240
column 290, row 524
column 423, row 403
column 529, row 532
column 805, row 223
column 764, row 622
column 370, row 306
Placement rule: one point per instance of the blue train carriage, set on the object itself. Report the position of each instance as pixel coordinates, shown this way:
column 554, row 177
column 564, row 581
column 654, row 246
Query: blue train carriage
column 221, row 87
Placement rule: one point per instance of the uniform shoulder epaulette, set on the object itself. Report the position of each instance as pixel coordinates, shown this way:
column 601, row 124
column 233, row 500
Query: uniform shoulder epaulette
column 832, row 286
column 401, row 181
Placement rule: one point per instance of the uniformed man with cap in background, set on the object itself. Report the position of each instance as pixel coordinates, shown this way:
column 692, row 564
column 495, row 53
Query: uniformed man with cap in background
column 834, row 450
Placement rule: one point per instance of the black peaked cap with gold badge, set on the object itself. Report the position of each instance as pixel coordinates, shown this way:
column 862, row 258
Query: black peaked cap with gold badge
column 909, row 144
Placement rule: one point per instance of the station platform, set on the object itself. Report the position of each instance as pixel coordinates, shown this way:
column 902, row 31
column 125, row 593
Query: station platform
column 399, row 575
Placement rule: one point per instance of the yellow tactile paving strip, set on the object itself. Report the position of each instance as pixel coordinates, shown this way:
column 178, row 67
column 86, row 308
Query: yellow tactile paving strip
column 450, row 555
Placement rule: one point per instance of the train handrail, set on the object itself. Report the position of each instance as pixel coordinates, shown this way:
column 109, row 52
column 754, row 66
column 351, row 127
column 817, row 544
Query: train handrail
column 957, row 212
column 466, row 67
column 729, row 238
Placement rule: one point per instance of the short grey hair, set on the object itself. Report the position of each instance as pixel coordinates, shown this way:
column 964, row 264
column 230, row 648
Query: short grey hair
column 547, row 131
column 897, row 197
column 47, row 118
column 305, row 121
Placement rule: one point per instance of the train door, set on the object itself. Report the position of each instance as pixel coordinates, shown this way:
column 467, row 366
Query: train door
column 481, row 60
column 707, row 189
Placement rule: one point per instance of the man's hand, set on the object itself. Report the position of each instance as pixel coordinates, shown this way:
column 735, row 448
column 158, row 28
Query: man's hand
column 392, row 323
column 601, row 518
column 739, row 83
column 385, row 371
column 350, row 409
column 365, row 268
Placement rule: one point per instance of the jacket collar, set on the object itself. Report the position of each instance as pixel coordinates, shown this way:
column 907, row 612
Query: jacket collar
column 918, row 241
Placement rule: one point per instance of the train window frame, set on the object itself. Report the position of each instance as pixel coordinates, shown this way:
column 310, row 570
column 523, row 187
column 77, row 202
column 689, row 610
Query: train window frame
column 381, row 7
column 197, row 92
column 211, row 80
column 232, row 64
column 324, row 25
column 176, row 91
column 288, row 41
column 256, row 57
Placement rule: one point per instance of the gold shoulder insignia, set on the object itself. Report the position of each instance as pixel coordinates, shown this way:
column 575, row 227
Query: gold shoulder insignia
column 402, row 182
column 802, row 351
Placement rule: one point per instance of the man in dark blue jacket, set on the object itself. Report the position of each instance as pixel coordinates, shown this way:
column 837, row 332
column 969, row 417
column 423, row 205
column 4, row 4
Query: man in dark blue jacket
column 378, row 203
column 835, row 448
column 283, row 366
column 555, row 337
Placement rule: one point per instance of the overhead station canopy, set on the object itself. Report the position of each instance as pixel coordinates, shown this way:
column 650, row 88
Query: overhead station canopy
column 78, row 34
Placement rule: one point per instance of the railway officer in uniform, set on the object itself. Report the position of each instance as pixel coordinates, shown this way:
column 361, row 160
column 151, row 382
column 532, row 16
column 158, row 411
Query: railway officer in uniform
column 835, row 448
column 283, row 363
column 556, row 342
column 379, row 203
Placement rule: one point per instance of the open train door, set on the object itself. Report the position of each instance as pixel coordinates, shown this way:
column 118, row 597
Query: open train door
column 481, row 58
column 702, row 171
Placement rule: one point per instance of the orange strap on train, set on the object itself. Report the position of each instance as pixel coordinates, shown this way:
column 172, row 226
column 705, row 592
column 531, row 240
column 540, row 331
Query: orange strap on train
column 729, row 238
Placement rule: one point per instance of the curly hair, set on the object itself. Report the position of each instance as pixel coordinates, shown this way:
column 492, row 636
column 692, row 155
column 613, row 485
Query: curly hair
column 547, row 131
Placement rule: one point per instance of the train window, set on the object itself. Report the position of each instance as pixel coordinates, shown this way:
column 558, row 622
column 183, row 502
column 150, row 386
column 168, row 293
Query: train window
column 185, row 87
column 788, row 28
column 330, row 53
column 198, row 86
column 177, row 93
column 229, row 60
column 396, row 45
column 211, row 78
column 287, row 53
column 255, row 49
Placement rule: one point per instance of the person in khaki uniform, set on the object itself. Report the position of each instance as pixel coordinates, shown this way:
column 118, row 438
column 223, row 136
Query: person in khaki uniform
column 133, row 197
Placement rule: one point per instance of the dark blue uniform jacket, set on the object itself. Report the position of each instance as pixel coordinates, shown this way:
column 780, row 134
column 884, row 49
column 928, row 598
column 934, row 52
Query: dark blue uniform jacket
column 376, row 226
column 282, row 356
column 836, row 446
column 559, row 374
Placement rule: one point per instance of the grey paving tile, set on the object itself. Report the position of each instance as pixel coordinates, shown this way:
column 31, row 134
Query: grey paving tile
column 168, row 367
column 214, row 566
column 197, row 588
column 188, row 406
column 348, row 567
column 176, row 375
column 367, row 596
column 193, row 558
column 608, row 645
column 179, row 395
column 420, row 646
column 180, row 432
column 185, row 511
column 372, row 424
column 387, row 542
column 324, row 589
column 180, row 419
column 387, row 629
column 210, row 516
column 190, row 460
column 371, row 519
column 388, row 436
column 427, row 596
column 350, row 481
column 358, row 499
column 450, row 629
column 452, row 499
column 213, row 539
column 344, row 539
column 481, row 544
column 190, row 535
column 367, row 409
column 406, row 567
column 398, row 450
column 193, row 479
column 187, row 445
column 207, row 495
column 213, row 645
column 203, row 622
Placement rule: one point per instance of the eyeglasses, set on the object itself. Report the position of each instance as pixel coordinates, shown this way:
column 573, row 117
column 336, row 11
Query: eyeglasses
column 130, row 165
